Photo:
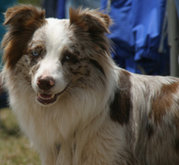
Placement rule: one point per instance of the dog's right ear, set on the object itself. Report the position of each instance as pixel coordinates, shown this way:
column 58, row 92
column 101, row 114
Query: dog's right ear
column 22, row 21
column 24, row 16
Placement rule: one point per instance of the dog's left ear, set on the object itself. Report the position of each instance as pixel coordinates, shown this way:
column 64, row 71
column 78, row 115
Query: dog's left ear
column 91, row 21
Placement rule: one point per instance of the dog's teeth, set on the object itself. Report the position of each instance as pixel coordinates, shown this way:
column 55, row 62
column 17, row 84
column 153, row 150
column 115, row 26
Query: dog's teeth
column 52, row 96
column 45, row 97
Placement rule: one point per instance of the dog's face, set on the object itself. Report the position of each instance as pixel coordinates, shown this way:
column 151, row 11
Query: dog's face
column 55, row 57
column 53, row 61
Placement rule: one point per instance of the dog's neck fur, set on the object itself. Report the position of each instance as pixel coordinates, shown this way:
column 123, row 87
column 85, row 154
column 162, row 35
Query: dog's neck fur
column 70, row 125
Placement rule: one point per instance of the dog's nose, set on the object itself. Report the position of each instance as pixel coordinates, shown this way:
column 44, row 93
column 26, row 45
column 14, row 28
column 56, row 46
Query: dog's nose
column 45, row 83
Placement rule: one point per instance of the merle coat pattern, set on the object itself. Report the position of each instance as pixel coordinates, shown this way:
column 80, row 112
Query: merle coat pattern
column 74, row 104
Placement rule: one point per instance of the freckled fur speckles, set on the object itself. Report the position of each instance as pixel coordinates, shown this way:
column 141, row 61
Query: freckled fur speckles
column 23, row 68
column 83, row 73
column 81, row 67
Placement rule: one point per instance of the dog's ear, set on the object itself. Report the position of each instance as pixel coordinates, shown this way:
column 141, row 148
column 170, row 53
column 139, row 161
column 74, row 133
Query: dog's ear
column 22, row 21
column 24, row 16
column 91, row 21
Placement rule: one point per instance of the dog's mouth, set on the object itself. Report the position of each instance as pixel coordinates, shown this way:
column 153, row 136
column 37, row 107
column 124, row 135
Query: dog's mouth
column 46, row 99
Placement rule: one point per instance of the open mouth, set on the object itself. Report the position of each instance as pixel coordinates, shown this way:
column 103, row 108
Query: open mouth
column 45, row 98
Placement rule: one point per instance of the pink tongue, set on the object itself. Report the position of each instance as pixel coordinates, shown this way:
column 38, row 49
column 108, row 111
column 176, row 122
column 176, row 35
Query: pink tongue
column 45, row 95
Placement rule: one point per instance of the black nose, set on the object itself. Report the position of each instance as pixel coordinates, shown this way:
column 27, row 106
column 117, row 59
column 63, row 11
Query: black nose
column 45, row 83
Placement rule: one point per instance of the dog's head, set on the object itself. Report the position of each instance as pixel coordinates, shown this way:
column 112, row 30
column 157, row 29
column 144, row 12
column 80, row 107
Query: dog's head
column 56, row 56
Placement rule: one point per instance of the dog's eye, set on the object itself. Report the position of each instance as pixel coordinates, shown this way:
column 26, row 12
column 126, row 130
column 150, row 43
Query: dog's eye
column 66, row 58
column 35, row 53
column 69, row 57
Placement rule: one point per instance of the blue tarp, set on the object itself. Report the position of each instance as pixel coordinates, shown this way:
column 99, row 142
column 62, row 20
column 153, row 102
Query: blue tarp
column 61, row 12
column 138, row 26
column 64, row 5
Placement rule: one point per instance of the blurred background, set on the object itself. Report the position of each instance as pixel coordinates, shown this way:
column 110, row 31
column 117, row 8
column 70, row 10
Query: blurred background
column 145, row 36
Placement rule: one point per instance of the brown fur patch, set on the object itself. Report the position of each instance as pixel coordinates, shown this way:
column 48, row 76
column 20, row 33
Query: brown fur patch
column 163, row 101
column 88, row 20
column 121, row 105
column 23, row 20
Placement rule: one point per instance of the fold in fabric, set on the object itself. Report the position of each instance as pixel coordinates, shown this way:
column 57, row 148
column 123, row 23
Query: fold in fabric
column 136, row 34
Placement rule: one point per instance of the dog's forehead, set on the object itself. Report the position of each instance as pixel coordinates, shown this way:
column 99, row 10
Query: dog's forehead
column 54, row 33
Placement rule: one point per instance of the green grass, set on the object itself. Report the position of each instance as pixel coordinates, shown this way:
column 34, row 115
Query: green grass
column 14, row 147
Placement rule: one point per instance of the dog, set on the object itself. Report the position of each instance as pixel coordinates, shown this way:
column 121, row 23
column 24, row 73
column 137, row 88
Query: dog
column 75, row 104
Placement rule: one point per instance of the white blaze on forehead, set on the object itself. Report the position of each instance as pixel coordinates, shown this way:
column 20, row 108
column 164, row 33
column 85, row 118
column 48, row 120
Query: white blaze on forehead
column 57, row 34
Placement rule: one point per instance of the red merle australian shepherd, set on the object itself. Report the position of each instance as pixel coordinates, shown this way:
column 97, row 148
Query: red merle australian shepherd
column 74, row 104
